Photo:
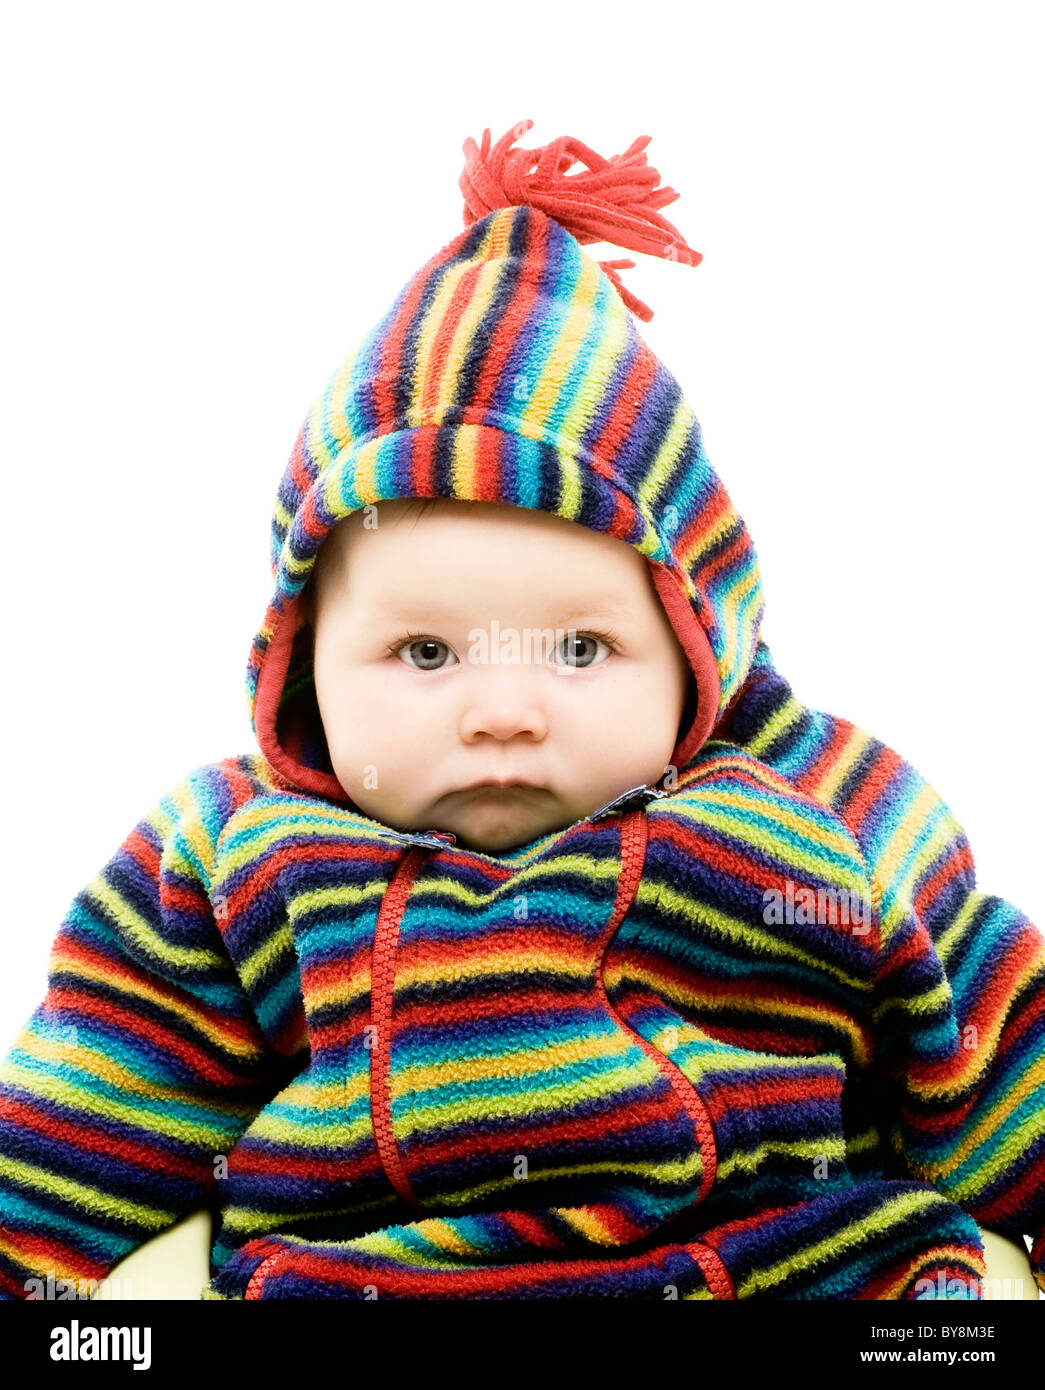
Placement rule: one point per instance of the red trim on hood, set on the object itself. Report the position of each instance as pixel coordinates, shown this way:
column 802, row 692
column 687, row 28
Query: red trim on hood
column 271, row 676
column 695, row 644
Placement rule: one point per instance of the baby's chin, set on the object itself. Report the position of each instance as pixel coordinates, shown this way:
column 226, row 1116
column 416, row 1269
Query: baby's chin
column 489, row 821
column 486, row 841
column 493, row 823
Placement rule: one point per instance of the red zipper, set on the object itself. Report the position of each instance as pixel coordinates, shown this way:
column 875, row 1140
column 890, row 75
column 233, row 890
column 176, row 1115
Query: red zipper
column 634, row 832
column 382, row 984
column 633, row 837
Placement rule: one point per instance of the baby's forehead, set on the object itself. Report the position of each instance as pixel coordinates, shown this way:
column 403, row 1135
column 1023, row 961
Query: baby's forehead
column 437, row 536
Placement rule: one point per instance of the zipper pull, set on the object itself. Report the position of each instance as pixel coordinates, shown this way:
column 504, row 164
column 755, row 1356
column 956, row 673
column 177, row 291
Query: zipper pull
column 432, row 839
column 645, row 788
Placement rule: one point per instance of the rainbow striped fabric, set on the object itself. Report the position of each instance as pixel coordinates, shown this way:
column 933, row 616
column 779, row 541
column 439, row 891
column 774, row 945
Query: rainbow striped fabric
column 758, row 1035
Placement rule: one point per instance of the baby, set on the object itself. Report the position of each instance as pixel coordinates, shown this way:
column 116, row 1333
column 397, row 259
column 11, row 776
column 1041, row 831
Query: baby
column 548, row 945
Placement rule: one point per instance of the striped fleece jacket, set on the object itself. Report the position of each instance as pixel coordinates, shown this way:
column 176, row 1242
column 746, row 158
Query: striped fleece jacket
column 750, row 1032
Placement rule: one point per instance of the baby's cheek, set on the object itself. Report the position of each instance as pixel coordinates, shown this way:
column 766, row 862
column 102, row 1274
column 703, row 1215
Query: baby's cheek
column 607, row 755
column 629, row 709
column 363, row 758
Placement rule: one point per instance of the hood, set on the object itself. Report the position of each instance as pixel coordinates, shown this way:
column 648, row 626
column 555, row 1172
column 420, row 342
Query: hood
column 509, row 369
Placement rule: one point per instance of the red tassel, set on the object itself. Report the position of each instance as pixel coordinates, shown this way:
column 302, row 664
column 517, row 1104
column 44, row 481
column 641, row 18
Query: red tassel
column 614, row 200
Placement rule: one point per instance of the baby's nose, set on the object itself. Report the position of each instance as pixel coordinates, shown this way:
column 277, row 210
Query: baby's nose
column 504, row 702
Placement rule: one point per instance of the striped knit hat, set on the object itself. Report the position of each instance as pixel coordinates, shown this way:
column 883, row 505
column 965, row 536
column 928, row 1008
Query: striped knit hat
column 509, row 370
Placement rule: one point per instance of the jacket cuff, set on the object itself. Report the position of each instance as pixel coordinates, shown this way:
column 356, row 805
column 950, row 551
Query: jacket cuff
column 890, row 1239
column 284, row 1267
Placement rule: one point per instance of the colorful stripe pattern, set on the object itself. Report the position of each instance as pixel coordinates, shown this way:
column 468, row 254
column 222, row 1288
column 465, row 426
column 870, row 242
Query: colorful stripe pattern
column 899, row 1242
column 960, row 984
column 598, row 1065
column 509, row 370
column 602, row 1071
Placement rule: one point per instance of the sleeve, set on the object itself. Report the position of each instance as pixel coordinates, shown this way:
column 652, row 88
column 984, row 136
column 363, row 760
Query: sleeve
column 816, row 1248
column 140, row 1069
column 960, row 975
column 959, row 1014
column 540, row 1252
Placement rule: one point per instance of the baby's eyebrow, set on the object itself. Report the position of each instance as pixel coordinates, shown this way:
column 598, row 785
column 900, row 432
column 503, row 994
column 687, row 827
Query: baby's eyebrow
column 597, row 608
column 412, row 605
column 425, row 609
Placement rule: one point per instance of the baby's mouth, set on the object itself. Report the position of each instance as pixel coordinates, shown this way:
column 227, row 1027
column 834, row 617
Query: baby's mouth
column 497, row 785
column 496, row 790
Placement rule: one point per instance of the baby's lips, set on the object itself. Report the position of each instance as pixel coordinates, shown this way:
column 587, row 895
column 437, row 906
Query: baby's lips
column 514, row 786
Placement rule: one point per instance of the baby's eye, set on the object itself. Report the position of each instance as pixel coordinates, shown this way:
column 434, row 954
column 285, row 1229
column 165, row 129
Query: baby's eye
column 426, row 654
column 580, row 649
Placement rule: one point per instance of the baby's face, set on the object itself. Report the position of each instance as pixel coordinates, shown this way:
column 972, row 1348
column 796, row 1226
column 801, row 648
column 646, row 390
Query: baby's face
column 477, row 640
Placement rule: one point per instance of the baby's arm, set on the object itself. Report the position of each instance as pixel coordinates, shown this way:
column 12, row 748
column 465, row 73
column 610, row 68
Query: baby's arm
column 960, row 1030
column 817, row 1248
column 139, row 1070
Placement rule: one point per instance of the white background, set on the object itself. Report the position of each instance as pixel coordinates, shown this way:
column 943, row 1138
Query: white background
column 207, row 203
